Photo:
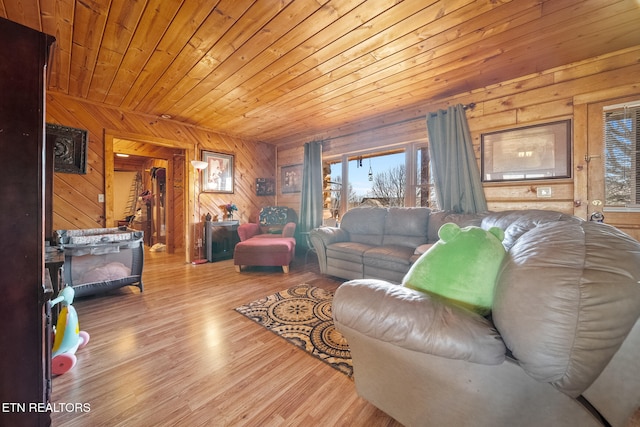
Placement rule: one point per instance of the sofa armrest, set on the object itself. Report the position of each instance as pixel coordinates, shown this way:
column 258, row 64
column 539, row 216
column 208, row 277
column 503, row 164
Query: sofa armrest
column 416, row 321
column 248, row 230
column 289, row 230
column 321, row 238
column 329, row 235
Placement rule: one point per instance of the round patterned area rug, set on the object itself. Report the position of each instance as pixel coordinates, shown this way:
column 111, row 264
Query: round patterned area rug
column 302, row 315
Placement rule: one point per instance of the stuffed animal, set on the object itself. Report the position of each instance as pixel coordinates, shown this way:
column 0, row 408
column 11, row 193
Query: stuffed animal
column 461, row 267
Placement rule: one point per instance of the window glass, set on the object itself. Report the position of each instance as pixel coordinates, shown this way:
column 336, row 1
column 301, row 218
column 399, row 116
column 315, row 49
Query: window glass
column 622, row 137
column 377, row 180
column 425, row 196
column 332, row 192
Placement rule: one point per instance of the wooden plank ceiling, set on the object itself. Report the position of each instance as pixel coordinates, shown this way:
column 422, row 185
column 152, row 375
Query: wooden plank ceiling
column 274, row 70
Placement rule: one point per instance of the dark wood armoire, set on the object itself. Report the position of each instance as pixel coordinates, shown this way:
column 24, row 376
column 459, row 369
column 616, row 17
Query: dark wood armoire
column 24, row 292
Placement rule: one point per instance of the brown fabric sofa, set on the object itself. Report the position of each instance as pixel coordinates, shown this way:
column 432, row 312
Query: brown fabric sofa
column 380, row 242
column 562, row 347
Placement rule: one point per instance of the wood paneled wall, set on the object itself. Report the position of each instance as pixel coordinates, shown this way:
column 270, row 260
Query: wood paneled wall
column 549, row 95
column 75, row 202
column 546, row 96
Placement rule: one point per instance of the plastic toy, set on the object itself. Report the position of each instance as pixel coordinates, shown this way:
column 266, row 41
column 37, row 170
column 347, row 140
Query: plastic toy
column 68, row 336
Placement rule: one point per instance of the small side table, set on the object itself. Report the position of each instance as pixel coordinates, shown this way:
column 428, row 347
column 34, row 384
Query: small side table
column 220, row 239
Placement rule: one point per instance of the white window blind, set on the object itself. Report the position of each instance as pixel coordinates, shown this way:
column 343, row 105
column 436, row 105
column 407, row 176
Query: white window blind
column 622, row 155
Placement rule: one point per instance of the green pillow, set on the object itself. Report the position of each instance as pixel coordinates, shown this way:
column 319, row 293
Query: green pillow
column 462, row 266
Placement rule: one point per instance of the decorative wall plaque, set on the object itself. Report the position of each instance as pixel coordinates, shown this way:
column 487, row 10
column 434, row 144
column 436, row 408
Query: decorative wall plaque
column 69, row 148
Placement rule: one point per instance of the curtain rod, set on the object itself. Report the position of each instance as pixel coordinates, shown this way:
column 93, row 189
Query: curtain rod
column 469, row 106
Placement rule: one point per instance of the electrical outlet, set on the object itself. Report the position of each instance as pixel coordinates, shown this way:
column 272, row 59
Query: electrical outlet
column 199, row 243
column 100, row 198
column 543, row 192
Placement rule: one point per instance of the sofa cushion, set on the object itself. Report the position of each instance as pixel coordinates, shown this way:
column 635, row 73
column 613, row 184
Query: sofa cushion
column 271, row 246
column 389, row 262
column 566, row 298
column 406, row 226
column 365, row 225
column 348, row 251
column 462, row 266
column 394, row 257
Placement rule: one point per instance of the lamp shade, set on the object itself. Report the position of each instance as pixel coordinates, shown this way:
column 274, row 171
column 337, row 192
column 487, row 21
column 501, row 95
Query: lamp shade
column 199, row 164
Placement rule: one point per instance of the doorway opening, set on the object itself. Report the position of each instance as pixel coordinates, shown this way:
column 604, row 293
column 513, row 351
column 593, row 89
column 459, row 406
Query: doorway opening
column 144, row 189
column 140, row 196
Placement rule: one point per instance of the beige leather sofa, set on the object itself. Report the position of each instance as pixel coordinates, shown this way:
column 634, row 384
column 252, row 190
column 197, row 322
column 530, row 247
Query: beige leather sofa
column 380, row 242
column 564, row 334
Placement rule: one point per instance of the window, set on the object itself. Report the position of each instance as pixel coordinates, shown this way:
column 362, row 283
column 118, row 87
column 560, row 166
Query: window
column 399, row 177
column 622, row 157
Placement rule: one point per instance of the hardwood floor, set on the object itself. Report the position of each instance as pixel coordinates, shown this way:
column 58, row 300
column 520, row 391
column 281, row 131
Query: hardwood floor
column 178, row 354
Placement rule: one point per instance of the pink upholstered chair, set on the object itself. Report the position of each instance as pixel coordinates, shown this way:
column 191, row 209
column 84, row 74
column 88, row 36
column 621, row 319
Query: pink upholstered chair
column 250, row 230
column 264, row 249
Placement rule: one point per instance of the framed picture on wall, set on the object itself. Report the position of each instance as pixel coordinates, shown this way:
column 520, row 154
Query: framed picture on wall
column 218, row 176
column 532, row 152
column 265, row 187
column 291, row 179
